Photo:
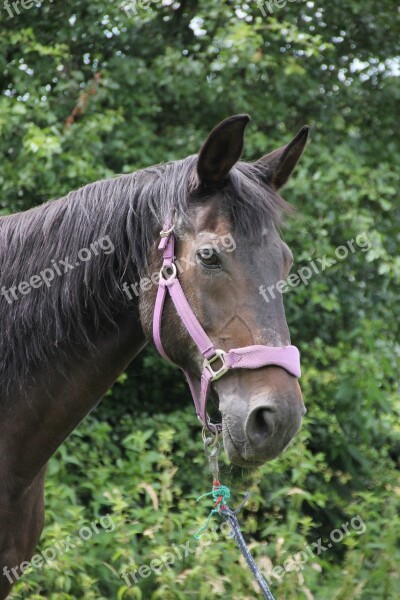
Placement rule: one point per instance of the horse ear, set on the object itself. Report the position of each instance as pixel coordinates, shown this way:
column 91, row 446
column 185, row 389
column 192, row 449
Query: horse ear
column 222, row 149
column 279, row 164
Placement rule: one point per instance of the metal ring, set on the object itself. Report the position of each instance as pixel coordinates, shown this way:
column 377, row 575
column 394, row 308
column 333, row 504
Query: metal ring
column 205, row 434
column 172, row 275
column 212, row 450
column 164, row 234
column 211, row 444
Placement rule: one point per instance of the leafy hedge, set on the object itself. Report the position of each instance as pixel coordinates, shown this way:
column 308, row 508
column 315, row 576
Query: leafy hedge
column 88, row 92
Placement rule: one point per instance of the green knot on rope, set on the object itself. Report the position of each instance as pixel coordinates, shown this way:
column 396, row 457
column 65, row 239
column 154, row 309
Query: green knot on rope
column 220, row 494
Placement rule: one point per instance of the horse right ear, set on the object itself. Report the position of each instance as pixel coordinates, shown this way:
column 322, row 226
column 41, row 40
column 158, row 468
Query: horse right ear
column 222, row 149
column 277, row 166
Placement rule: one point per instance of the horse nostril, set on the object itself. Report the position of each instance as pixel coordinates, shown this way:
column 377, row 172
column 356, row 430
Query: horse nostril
column 260, row 425
column 270, row 425
column 261, row 421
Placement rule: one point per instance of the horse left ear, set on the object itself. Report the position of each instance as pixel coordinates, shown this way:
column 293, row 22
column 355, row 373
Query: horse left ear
column 222, row 149
column 279, row 164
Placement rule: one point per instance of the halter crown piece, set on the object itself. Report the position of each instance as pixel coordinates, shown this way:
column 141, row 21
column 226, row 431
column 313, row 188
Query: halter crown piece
column 216, row 362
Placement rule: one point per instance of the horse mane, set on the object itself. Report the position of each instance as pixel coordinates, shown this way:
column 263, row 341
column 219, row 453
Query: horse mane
column 129, row 209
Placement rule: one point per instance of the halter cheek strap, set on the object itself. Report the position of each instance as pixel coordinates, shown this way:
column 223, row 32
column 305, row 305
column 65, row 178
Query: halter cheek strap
column 216, row 362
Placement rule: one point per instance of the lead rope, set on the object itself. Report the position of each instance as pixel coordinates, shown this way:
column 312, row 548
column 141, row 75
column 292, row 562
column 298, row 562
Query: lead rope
column 221, row 494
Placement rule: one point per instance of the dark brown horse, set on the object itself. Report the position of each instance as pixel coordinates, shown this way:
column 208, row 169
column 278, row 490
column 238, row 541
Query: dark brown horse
column 77, row 302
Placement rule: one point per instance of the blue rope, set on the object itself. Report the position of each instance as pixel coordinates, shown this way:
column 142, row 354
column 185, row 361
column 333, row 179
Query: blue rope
column 230, row 516
column 220, row 494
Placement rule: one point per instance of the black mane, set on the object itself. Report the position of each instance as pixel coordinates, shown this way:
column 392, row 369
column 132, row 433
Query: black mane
column 130, row 210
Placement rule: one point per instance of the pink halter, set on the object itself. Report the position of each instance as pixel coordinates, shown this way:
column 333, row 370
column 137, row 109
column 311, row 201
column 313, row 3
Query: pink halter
column 250, row 357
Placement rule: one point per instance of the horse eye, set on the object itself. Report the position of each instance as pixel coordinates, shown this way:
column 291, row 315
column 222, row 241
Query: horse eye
column 208, row 258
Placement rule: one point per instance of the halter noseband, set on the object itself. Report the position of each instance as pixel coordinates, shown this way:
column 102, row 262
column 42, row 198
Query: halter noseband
column 216, row 362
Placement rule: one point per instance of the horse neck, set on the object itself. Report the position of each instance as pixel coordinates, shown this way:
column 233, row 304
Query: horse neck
column 62, row 394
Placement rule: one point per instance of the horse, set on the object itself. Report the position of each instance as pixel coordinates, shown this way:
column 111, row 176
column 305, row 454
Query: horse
column 72, row 317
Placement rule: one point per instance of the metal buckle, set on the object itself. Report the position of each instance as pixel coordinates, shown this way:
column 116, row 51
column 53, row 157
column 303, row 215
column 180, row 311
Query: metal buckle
column 219, row 354
column 164, row 234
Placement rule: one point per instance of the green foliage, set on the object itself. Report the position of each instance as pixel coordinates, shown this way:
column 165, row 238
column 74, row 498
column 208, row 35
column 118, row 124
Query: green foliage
column 87, row 92
column 148, row 481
